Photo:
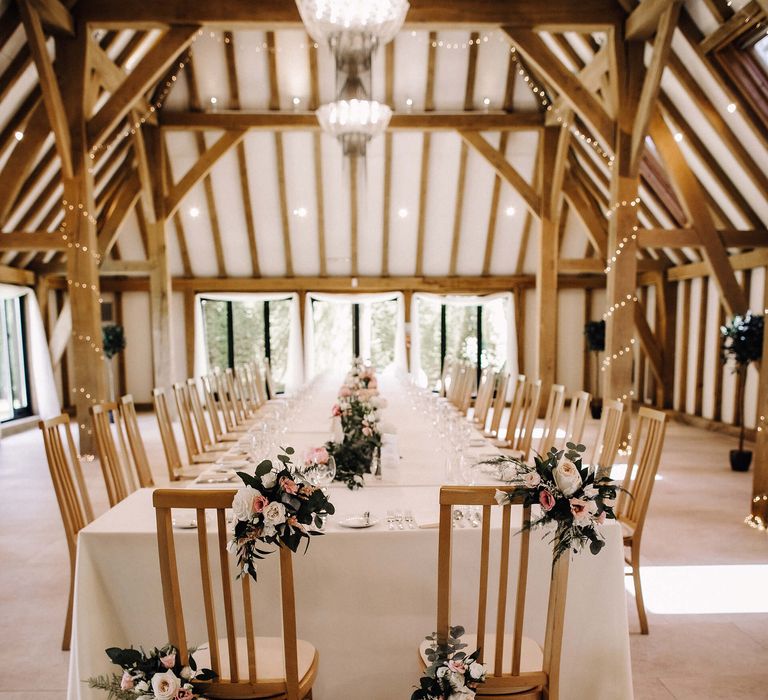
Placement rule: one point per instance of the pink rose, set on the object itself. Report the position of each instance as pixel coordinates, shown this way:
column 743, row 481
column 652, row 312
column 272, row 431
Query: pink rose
column 126, row 682
column 336, row 410
column 259, row 503
column 184, row 694
column 318, row 455
column 372, row 384
column 547, row 500
column 345, row 391
column 169, row 661
column 457, row 666
column 367, row 432
column 289, row 485
column 582, row 510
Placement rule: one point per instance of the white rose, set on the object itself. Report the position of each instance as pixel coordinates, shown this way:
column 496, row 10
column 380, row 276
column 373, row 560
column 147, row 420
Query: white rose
column 243, row 502
column 274, row 513
column 590, row 491
column 165, row 685
column 567, row 477
column 142, row 686
column 477, row 670
column 187, row 673
column 501, row 497
column 269, row 480
column 531, row 479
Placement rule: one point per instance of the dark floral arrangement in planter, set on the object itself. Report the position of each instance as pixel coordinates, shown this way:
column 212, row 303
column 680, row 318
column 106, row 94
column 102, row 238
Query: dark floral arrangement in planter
column 594, row 332
column 113, row 340
column 742, row 344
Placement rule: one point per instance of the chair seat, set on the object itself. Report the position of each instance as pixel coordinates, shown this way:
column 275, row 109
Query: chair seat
column 627, row 531
column 531, row 659
column 270, row 664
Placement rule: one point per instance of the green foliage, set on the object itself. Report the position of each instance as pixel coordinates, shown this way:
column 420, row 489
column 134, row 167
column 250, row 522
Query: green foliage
column 594, row 332
column 113, row 340
column 742, row 340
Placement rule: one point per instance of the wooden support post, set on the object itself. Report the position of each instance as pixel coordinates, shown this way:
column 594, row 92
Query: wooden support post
column 89, row 380
column 552, row 165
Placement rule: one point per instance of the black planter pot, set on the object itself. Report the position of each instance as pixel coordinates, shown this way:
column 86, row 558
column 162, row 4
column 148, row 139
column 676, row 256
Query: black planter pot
column 596, row 408
column 740, row 460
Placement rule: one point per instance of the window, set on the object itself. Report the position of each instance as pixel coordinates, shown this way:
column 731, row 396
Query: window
column 477, row 333
column 343, row 329
column 237, row 332
column 14, row 376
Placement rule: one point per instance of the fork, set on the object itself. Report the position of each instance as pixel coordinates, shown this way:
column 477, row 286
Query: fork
column 399, row 520
column 410, row 521
column 390, row 520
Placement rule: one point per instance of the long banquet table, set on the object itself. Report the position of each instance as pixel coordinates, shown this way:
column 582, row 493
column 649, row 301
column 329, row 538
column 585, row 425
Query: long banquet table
column 365, row 598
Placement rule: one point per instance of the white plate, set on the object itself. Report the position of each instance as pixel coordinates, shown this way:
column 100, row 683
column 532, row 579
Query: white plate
column 477, row 442
column 358, row 522
column 187, row 522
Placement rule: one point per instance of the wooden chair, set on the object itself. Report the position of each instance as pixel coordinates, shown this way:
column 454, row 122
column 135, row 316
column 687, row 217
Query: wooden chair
column 176, row 468
column 135, row 441
column 249, row 666
column 647, row 444
column 516, row 666
column 198, row 414
column 522, row 418
column 116, row 465
column 260, row 384
column 245, row 382
column 608, row 437
column 452, row 379
column 555, row 405
column 464, row 399
column 71, row 495
column 574, row 431
column 220, row 433
column 227, row 405
column 499, row 402
column 484, row 397
column 197, row 451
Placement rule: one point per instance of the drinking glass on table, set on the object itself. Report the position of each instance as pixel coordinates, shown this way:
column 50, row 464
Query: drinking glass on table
column 320, row 474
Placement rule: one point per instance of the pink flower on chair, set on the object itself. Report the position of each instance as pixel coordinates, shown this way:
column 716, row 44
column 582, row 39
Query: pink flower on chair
column 336, row 410
column 126, row 682
column 259, row 503
column 289, row 485
column 184, row 694
column 168, row 661
column 547, row 500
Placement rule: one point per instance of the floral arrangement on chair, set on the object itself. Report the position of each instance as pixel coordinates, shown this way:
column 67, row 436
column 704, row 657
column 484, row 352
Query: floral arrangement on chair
column 275, row 507
column 157, row 675
column 357, row 408
column 452, row 674
column 569, row 495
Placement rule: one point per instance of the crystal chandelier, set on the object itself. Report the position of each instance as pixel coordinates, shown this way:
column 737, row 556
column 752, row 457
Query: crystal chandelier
column 353, row 30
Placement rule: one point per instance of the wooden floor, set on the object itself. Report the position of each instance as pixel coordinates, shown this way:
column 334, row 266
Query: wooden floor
column 706, row 576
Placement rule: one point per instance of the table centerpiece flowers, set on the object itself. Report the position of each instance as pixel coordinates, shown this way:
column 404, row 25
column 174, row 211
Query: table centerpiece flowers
column 275, row 507
column 569, row 495
column 157, row 675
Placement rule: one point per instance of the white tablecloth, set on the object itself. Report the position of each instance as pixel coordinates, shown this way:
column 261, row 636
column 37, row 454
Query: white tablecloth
column 365, row 598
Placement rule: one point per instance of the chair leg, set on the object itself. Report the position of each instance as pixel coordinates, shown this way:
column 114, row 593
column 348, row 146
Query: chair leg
column 65, row 642
column 638, row 588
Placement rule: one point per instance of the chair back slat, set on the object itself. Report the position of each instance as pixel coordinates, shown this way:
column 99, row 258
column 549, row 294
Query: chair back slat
column 515, row 407
column 228, row 411
column 238, row 405
column 552, row 418
column 259, row 382
column 209, row 388
column 242, row 382
column 241, row 683
column 608, row 436
column 577, row 417
column 198, row 414
column 167, row 436
column 205, row 578
column 453, row 377
column 67, row 477
column 502, row 680
column 501, row 607
column 647, row 444
column 499, row 402
column 119, row 480
column 523, row 416
column 184, row 410
column 485, row 396
column 135, row 441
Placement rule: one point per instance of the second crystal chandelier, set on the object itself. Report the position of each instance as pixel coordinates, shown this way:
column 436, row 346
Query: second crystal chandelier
column 353, row 30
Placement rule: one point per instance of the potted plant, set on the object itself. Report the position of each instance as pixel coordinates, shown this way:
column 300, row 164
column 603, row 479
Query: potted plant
column 742, row 344
column 594, row 332
column 113, row 342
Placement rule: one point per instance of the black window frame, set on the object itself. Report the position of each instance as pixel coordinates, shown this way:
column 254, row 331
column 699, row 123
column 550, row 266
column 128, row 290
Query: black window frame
column 25, row 411
column 444, row 338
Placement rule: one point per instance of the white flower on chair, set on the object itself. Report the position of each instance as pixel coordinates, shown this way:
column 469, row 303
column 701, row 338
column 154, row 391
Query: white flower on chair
column 274, row 513
column 165, row 685
column 567, row 477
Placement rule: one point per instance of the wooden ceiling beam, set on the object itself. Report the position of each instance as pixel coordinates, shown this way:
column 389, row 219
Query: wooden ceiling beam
column 554, row 15
column 684, row 237
column 19, row 241
column 389, row 90
column 589, row 214
column 277, row 120
column 578, row 266
column 141, row 79
column 742, row 21
column 52, row 99
column 641, row 25
column 570, row 88
column 54, row 15
column 737, row 262
column 200, row 169
column 16, row 275
column 505, row 169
